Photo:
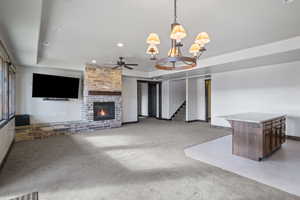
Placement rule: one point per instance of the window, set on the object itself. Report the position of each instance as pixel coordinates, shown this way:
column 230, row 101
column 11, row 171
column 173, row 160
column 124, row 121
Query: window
column 7, row 89
column 11, row 91
column 1, row 89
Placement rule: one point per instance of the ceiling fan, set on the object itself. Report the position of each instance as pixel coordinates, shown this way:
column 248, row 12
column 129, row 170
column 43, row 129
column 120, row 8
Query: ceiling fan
column 121, row 63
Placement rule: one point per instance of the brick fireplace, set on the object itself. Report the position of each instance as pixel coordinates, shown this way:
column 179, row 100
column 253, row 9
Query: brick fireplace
column 102, row 100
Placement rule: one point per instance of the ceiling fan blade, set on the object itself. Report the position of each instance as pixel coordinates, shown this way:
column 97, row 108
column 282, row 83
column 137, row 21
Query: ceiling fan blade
column 116, row 67
column 126, row 66
column 132, row 64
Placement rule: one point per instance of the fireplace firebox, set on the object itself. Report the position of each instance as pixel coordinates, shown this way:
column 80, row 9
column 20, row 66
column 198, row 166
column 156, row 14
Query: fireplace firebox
column 104, row 111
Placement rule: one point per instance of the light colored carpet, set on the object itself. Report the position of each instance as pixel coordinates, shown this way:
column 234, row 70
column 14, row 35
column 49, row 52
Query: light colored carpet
column 280, row 170
column 139, row 161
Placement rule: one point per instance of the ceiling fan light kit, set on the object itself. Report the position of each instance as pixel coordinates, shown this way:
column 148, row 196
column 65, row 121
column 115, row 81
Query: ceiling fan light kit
column 175, row 59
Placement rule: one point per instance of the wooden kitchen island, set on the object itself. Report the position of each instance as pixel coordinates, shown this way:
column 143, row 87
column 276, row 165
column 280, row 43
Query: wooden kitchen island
column 257, row 135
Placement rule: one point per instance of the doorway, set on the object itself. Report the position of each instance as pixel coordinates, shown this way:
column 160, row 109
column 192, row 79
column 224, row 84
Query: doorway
column 152, row 100
column 208, row 100
column 149, row 99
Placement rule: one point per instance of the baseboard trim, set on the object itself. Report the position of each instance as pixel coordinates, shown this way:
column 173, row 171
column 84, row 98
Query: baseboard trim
column 133, row 122
column 290, row 137
column 2, row 163
column 196, row 120
column 165, row 119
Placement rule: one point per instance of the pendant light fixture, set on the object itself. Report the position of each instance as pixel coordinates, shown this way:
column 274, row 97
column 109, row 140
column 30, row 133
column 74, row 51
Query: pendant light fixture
column 175, row 60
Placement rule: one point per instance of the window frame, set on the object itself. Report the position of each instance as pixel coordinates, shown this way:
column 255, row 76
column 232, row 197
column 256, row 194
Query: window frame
column 11, row 92
column 6, row 84
column 2, row 117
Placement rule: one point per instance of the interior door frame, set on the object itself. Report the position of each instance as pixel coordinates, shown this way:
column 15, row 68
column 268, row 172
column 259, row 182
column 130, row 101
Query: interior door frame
column 207, row 119
column 159, row 98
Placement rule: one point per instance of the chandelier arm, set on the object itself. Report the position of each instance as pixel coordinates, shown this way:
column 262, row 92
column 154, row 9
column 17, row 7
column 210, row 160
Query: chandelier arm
column 200, row 54
column 179, row 51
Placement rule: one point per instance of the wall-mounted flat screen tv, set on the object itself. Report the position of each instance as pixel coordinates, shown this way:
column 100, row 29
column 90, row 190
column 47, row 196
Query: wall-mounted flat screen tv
column 50, row 86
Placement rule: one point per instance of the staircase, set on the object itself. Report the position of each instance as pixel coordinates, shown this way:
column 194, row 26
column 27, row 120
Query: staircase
column 180, row 113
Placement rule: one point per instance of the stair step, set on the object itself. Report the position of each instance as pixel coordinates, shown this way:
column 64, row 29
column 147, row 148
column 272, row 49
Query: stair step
column 180, row 114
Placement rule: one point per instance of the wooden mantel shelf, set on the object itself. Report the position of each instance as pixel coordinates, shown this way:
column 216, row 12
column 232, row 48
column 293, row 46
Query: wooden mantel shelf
column 108, row 93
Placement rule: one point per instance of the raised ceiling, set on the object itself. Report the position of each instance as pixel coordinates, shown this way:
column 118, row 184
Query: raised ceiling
column 69, row 33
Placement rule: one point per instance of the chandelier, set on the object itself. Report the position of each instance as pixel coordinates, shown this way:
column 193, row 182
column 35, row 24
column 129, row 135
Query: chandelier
column 175, row 60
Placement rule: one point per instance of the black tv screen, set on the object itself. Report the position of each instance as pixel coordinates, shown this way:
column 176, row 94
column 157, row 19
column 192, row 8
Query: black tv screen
column 49, row 86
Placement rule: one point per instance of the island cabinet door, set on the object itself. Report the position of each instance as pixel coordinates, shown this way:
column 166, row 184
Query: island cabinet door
column 247, row 140
column 283, row 130
column 274, row 135
column 268, row 138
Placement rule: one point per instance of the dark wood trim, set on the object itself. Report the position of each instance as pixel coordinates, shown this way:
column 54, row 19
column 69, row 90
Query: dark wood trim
column 145, row 81
column 133, row 122
column 104, row 93
column 196, row 120
column 290, row 137
column 143, row 115
column 2, row 163
column 164, row 119
column 206, row 100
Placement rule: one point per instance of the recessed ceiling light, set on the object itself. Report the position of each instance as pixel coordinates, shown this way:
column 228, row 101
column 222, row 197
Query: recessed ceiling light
column 120, row 45
column 94, row 61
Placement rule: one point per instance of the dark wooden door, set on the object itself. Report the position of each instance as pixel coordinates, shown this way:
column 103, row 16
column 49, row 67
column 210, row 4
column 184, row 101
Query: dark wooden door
column 152, row 99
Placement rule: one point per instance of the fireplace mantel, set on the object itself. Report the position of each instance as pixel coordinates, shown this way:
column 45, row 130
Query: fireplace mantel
column 104, row 93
